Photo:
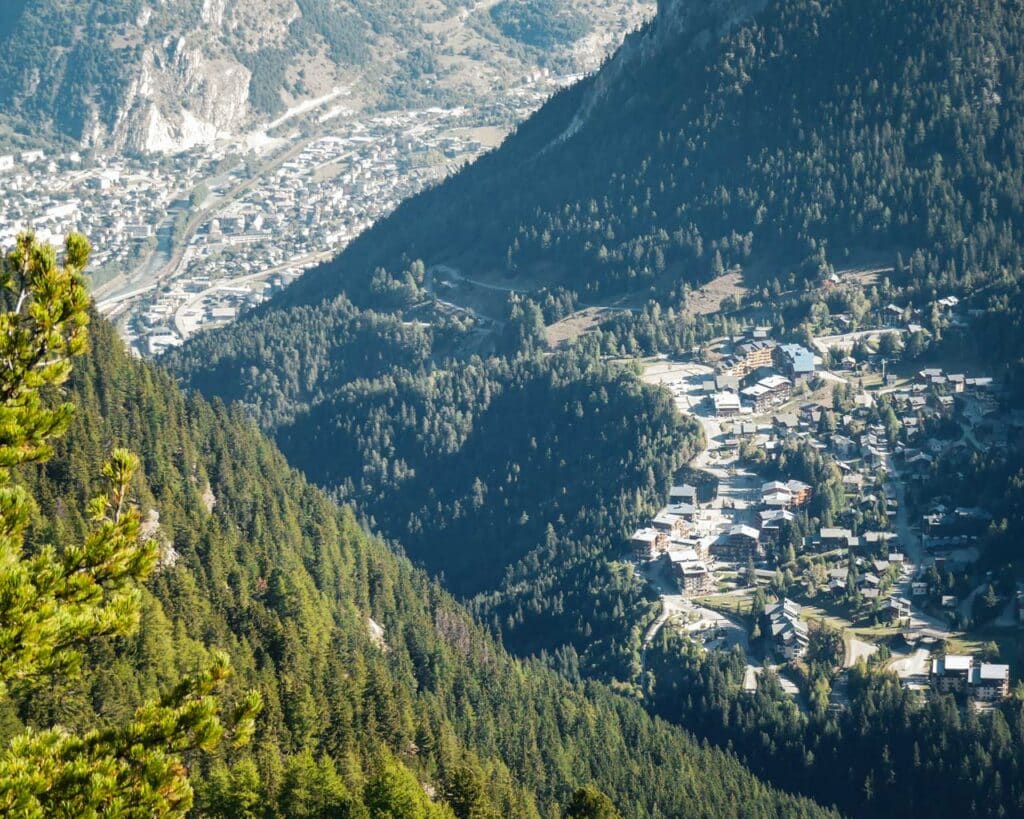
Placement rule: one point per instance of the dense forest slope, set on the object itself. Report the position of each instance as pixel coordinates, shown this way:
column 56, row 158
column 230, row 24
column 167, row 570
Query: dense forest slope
column 143, row 75
column 359, row 711
column 516, row 477
column 776, row 137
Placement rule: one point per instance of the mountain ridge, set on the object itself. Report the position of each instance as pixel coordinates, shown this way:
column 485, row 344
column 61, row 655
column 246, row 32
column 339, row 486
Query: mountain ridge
column 737, row 155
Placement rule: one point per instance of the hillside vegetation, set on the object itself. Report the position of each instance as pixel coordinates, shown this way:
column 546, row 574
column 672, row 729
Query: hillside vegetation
column 359, row 713
column 517, row 477
column 806, row 135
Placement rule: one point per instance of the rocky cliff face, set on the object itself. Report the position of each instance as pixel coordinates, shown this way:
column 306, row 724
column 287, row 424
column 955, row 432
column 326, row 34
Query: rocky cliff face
column 167, row 75
column 188, row 86
column 156, row 75
column 180, row 99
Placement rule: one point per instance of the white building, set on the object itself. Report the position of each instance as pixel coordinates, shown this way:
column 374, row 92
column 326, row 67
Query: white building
column 727, row 404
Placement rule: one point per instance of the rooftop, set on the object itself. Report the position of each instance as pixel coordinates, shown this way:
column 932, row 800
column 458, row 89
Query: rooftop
column 800, row 358
column 994, row 671
column 957, row 662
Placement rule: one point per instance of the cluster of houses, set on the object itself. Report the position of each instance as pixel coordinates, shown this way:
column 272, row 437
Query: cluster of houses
column 674, row 537
column 8, row 161
column 873, row 443
column 758, row 375
column 115, row 201
column 775, row 509
column 860, row 445
column 935, row 395
column 892, row 315
column 783, row 625
column 693, row 548
column 871, row 564
column 314, row 203
column 959, row 674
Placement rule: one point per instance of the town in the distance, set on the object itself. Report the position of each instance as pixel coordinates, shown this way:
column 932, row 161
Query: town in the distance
column 844, row 431
column 187, row 242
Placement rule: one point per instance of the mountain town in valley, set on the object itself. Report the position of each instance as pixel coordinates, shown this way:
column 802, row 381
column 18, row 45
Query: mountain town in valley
column 188, row 242
column 842, row 432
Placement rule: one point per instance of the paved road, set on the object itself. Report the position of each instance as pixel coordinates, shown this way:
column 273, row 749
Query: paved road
column 908, row 537
column 911, row 543
column 671, row 604
column 107, row 305
column 179, row 315
column 856, row 650
column 135, row 279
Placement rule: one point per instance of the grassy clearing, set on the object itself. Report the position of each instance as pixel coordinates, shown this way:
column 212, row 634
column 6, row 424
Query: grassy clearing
column 735, row 604
column 1009, row 639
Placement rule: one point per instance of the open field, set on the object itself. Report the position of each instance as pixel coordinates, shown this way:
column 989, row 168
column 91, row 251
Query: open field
column 572, row 327
column 708, row 298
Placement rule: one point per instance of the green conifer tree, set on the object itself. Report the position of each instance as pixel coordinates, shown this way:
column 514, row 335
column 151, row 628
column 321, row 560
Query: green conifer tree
column 56, row 599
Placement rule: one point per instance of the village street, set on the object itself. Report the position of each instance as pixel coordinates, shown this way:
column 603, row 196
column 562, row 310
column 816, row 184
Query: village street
column 737, row 490
column 718, row 631
column 910, row 541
